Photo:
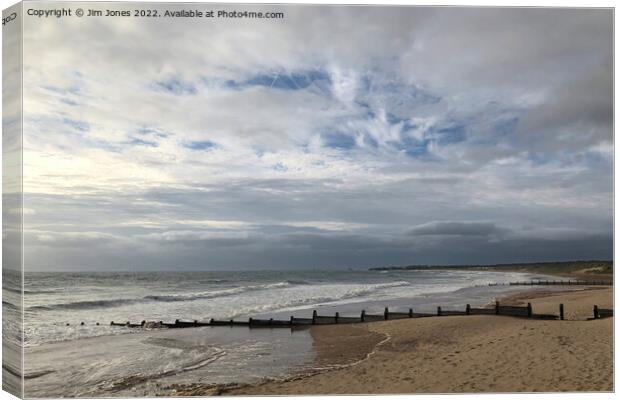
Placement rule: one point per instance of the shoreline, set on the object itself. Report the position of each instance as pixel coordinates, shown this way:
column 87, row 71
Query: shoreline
column 440, row 355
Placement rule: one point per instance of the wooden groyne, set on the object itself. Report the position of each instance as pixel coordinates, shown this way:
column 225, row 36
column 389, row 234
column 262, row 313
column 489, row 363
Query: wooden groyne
column 498, row 309
column 569, row 282
column 602, row 313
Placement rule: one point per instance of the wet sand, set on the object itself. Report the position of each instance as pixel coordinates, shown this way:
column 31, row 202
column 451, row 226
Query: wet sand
column 461, row 354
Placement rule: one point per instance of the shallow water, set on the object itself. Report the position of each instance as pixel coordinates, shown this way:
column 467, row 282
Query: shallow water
column 147, row 362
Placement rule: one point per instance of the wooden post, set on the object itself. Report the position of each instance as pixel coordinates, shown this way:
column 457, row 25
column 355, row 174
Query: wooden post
column 529, row 310
column 314, row 317
column 386, row 314
column 561, row 312
column 291, row 320
column 231, row 322
column 363, row 315
column 411, row 313
column 467, row 309
column 596, row 316
column 497, row 308
column 439, row 311
column 250, row 321
column 336, row 317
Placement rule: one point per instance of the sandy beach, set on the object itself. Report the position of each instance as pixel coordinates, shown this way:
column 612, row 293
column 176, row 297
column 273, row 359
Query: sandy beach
column 457, row 354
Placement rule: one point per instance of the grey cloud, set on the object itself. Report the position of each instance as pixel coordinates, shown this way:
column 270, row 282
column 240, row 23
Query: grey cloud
column 321, row 251
column 461, row 228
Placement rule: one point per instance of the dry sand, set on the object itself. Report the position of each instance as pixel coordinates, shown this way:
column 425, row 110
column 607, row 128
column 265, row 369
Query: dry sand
column 462, row 354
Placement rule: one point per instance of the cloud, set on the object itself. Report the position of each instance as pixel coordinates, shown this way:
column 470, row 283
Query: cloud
column 320, row 140
column 460, row 228
column 176, row 86
column 193, row 250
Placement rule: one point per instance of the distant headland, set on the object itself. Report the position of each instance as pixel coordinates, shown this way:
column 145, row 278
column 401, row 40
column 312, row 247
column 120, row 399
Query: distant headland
column 572, row 268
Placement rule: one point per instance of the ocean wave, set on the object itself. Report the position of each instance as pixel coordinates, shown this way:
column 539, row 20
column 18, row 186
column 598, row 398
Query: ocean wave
column 12, row 289
column 106, row 303
column 297, row 282
column 217, row 293
column 87, row 304
column 355, row 290
column 347, row 294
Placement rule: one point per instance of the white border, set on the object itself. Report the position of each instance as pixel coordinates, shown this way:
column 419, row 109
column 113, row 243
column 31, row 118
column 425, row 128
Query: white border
column 485, row 3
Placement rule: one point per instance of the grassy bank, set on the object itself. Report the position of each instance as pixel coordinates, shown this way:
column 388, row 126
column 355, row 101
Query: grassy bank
column 592, row 269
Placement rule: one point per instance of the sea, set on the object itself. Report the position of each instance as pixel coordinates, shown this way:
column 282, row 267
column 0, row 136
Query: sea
column 71, row 350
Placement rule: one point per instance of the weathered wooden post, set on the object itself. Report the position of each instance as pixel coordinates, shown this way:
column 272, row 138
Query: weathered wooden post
column 336, row 317
column 529, row 310
column 438, row 311
column 561, row 312
column 497, row 308
column 386, row 314
column 411, row 313
column 467, row 309
column 314, row 317
column 596, row 316
column 363, row 316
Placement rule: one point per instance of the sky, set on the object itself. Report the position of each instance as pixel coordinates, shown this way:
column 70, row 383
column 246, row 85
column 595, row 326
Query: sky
column 337, row 137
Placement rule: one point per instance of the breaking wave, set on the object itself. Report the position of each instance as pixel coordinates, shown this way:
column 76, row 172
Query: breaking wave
column 344, row 293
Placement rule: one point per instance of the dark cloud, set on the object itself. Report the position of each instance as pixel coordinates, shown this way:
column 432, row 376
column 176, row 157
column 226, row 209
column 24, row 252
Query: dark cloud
column 457, row 228
column 316, row 251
